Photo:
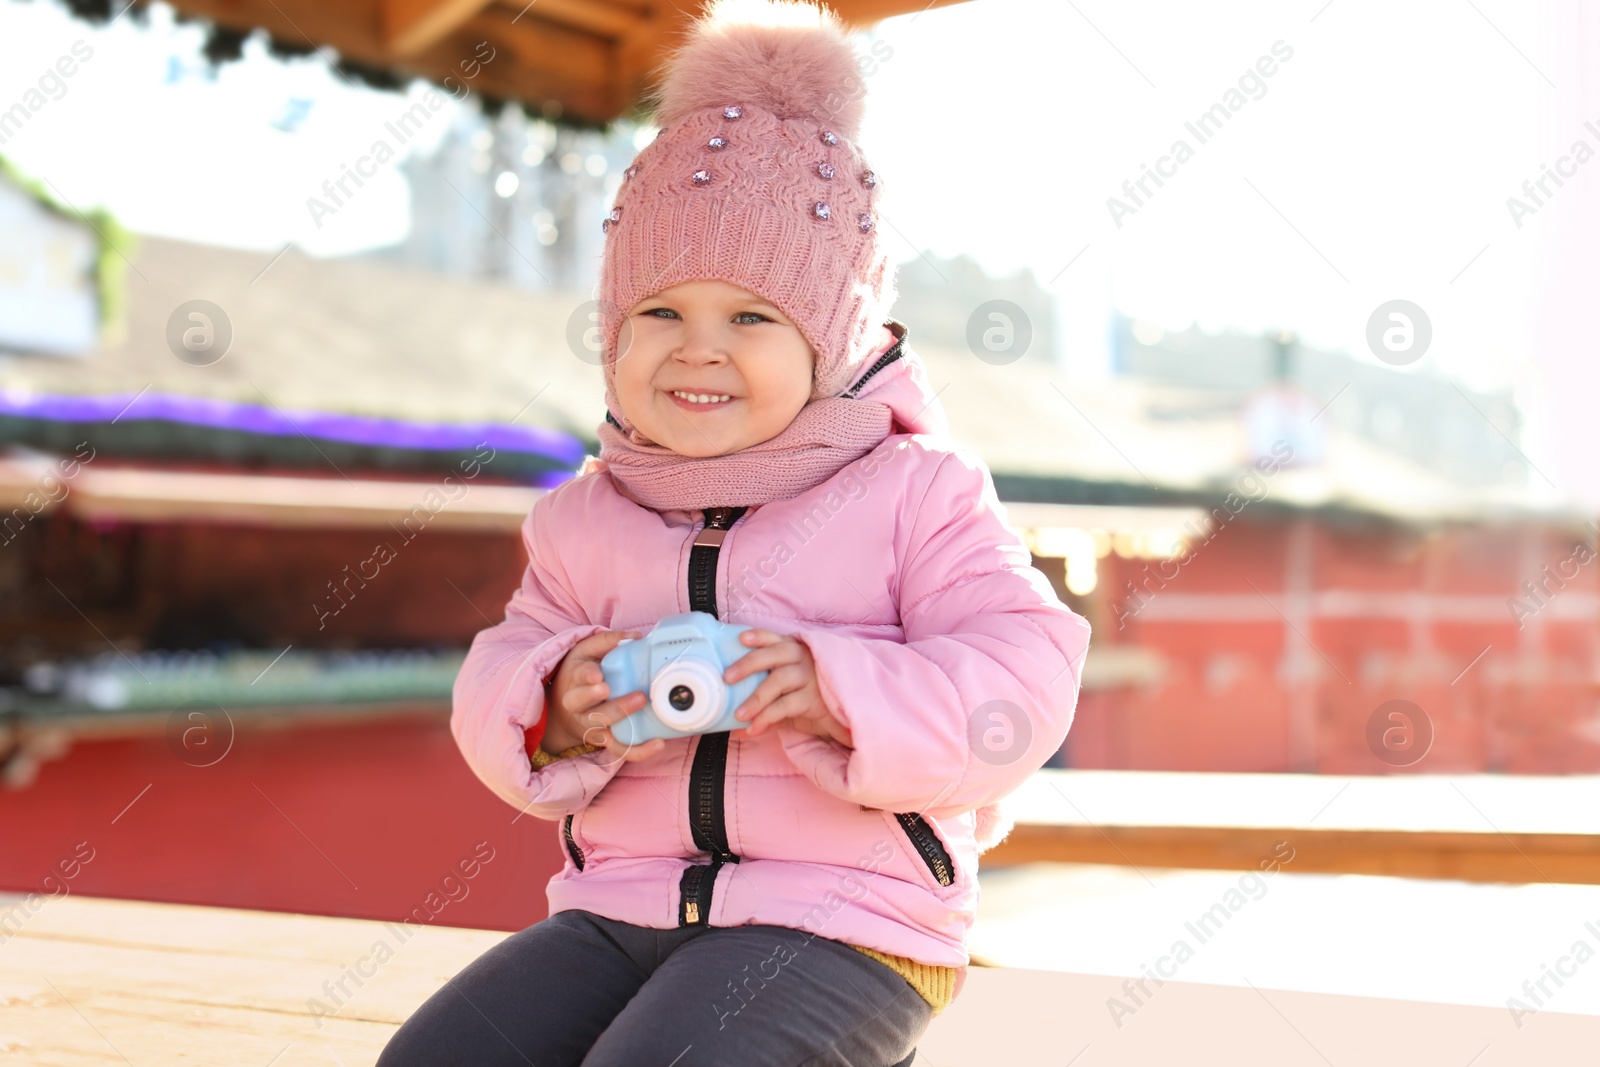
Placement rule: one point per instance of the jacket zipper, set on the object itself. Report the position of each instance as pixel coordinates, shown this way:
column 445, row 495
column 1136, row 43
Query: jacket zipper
column 706, row 814
column 572, row 846
column 928, row 846
column 884, row 360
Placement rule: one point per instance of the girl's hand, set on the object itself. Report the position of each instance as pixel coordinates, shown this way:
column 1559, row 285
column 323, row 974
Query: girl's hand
column 577, row 706
column 789, row 691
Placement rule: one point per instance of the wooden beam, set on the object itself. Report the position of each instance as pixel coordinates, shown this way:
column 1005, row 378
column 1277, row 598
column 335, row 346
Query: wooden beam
column 132, row 494
column 861, row 13
column 30, row 481
column 594, row 57
column 638, row 57
column 351, row 29
column 409, row 26
column 595, row 17
column 533, row 61
column 116, row 726
column 1471, row 857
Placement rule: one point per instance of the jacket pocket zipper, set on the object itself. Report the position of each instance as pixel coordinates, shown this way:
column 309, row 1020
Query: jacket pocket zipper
column 928, row 846
column 572, row 846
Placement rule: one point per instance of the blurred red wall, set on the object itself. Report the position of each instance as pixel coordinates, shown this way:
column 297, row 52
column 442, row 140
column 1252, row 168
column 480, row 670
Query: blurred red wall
column 366, row 821
column 1281, row 639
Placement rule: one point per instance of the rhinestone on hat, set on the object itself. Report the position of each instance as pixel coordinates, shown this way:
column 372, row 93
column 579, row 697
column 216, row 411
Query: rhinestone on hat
column 716, row 144
column 825, row 169
column 864, row 221
column 732, row 111
column 610, row 220
column 869, row 179
column 829, row 137
column 633, row 169
column 700, row 177
column 820, row 210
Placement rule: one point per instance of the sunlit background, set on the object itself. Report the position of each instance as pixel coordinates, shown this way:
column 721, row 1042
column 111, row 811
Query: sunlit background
column 1301, row 424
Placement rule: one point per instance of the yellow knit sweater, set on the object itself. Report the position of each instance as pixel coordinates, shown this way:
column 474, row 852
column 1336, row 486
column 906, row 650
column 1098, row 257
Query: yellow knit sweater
column 934, row 983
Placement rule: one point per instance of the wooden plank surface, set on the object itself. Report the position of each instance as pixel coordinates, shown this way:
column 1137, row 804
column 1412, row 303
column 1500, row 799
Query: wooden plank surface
column 91, row 981
column 1487, row 828
column 1472, row 857
column 86, row 981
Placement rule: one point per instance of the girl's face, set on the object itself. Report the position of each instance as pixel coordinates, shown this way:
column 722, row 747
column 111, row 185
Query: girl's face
column 711, row 339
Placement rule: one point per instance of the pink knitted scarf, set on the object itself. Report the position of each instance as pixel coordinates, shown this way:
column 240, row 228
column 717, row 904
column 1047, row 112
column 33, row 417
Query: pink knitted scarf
column 827, row 434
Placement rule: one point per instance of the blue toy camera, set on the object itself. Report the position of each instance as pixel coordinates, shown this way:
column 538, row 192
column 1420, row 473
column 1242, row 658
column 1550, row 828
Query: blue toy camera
column 679, row 664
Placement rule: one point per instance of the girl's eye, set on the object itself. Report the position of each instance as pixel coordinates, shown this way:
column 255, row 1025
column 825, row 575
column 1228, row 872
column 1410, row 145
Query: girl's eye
column 665, row 311
column 754, row 315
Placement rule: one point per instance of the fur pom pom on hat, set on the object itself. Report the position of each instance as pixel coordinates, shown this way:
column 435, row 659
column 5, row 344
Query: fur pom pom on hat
column 789, row 58
column 756, row 179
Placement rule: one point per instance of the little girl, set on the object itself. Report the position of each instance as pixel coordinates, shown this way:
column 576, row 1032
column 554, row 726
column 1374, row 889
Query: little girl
column 798, row 890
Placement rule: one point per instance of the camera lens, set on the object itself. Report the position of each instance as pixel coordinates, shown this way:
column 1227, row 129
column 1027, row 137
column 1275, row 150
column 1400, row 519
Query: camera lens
column 688, row 694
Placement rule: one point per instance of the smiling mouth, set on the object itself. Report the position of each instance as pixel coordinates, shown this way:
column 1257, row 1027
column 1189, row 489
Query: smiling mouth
column 699, row 401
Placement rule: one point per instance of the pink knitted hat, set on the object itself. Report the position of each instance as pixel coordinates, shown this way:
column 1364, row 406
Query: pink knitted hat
column 756, row 179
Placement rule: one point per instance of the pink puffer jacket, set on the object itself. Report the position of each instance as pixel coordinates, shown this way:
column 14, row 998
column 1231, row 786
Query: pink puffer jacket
column 946, row 653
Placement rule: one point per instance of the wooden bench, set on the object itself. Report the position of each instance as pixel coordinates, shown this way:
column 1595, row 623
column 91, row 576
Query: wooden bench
column 93, row 981
column 1481, row 827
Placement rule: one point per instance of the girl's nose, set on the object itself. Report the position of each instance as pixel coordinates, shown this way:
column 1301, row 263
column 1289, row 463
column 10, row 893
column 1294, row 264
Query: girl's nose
column 702, row 346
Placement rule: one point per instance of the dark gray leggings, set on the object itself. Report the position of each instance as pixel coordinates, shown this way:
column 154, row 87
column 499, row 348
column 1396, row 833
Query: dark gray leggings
column 579, row 988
